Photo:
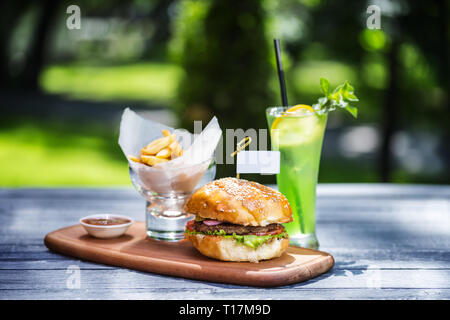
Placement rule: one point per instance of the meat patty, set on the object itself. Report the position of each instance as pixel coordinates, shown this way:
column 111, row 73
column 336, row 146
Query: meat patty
column 230, row 228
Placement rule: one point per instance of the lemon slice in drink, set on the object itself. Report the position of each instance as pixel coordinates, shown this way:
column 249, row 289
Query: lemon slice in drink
column 296, row 126
column 291, row 110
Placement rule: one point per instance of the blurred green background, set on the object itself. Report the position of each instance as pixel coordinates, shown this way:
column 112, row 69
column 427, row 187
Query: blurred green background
column 174, row 61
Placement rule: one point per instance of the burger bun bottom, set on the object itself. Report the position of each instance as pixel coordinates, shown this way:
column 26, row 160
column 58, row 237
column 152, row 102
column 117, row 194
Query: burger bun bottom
column 228, row 249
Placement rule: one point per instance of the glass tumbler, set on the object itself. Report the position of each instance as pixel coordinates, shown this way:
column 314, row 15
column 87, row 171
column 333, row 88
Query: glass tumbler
column 298, row 136
column 166, row 191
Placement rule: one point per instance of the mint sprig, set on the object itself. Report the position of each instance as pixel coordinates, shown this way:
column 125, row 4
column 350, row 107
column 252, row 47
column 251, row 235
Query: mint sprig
column 341, row 97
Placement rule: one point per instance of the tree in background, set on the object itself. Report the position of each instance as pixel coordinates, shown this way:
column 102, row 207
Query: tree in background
column 26, row 75
column 159, row 16
column 225, row 56
column 43, row 19
column 401, row 71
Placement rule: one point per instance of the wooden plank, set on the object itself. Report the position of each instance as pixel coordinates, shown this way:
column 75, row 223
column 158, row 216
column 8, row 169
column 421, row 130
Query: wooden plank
column 212, row 294
column 355, row 209
column 117, row 279
column 338, row 193
column 386, row 190
column 411, row 212
column 355, row 235
column 323, row 189
column 31, row 257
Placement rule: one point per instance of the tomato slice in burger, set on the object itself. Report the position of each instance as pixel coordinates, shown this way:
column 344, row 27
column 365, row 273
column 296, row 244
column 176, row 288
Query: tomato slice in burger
column 190, row 225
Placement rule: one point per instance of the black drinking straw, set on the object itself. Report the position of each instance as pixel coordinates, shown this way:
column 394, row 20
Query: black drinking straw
column 284, row 100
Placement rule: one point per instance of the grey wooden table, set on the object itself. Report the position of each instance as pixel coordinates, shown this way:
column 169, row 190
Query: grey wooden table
column 389, row 242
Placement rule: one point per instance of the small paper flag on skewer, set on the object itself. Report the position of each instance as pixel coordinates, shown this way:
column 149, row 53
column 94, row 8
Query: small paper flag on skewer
column 262, row 162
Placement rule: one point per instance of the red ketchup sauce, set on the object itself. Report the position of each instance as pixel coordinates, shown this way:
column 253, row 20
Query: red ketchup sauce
column 105, row 222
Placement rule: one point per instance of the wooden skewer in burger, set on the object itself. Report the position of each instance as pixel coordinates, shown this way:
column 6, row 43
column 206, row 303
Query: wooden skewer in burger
column 238, row 220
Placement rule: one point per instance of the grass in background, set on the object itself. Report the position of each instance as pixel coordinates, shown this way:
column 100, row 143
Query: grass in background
column 56, row 155
column 43, row 153
column 146, row 81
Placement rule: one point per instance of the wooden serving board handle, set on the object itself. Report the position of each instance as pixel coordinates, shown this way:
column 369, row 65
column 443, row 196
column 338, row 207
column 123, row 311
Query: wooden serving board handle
column 134, row 250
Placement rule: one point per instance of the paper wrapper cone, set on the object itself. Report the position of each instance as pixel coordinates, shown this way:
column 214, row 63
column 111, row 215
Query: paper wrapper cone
column 180, row 175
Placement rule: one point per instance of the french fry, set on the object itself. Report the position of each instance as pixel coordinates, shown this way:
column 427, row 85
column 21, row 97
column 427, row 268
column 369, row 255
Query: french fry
column 164, row 153
column 133, row 158
column 176, row 151
column 174, row 145
column 160, row 150
column 157, row 145
column 152, row 160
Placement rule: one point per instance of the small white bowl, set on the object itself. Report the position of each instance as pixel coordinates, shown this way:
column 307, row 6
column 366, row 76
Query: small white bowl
column 106, row 232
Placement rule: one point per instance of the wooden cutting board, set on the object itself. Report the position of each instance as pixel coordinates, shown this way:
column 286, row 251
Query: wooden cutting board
column 134, row 250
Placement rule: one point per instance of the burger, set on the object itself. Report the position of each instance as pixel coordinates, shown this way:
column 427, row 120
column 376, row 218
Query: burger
column 238, row 220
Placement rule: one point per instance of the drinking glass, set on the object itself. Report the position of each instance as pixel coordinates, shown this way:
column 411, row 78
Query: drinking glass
column 165, row 198
column 298, row 136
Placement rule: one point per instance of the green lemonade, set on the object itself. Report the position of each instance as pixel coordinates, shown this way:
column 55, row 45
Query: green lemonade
column 298, row 136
